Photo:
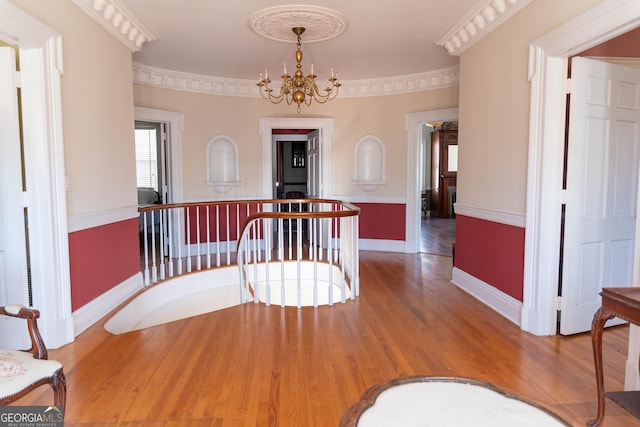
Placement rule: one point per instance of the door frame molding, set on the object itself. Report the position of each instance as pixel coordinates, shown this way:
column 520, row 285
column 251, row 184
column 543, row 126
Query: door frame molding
column 326, row 127
column 547, row 74
column 175, row 120
column 41, row 68
column 413, row 123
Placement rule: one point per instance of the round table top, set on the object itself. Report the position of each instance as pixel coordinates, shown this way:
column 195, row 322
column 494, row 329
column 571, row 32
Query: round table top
column 434, row 401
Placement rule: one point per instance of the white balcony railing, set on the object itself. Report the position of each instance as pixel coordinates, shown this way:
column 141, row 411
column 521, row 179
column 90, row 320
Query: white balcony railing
column 288, row 252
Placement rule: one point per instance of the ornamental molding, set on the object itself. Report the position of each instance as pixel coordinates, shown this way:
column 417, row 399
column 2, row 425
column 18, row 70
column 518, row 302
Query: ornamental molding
column 478, row 23
column 320, row 23
column 177, row 80
column 116, row 17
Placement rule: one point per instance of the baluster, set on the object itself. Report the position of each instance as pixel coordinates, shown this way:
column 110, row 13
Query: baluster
column 330, row 259
column 290, row 234
column 208, row 237
column 355, row 286
column 256, row 285
column 218, row 234
column 171, row 248
column 283, row 291
column 163, row 214
column 154, row 267
column 298, row 260
column 179, row 230
column 342, row 268
column 147, row 280
column 188, row 238
column 318, row 236
column 229, row 234
column 259, row 238
column 198, row 255
column 280, row 239
column 337, row 248
column 267, row 272
column 315, row 282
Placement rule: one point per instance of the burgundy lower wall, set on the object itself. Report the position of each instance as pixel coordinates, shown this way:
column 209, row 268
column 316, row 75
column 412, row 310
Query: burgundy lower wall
column 491, row 252
column 101, row 258
column 385, row 221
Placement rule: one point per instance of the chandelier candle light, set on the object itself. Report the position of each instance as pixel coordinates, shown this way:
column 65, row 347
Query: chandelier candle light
column 299, row 88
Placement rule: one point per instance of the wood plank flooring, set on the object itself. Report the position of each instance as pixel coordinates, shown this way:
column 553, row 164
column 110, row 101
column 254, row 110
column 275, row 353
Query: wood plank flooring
column 437, row 235
column 253, row 365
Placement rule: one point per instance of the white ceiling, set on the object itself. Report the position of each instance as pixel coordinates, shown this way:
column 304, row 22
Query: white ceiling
column 383, row 38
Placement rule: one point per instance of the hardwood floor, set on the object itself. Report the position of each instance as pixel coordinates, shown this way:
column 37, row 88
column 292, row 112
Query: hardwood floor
column 437, row 235
column 253, row 365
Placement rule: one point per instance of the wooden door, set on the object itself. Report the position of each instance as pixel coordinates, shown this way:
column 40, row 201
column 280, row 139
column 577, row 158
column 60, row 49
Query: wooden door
column 13, row 252
column 602, row 187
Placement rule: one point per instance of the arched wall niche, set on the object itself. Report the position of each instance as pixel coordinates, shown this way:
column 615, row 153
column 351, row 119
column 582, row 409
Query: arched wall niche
column 369, row 168
column 222, row 163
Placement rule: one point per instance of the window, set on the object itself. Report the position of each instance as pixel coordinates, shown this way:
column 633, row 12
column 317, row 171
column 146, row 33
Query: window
column 147, row 140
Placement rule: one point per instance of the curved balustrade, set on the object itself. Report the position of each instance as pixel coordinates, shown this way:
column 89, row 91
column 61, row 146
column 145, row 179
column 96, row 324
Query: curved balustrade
column 288, row 251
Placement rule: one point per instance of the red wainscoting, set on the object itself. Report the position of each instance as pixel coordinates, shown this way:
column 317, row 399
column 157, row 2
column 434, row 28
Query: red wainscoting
column 218, row 217
column 385, row 221
column 491, row 252
column 102, row 258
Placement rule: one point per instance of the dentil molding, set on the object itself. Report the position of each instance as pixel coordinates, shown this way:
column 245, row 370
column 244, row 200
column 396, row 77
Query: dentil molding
column 119, row 20
column 478, row 23
column 177, row 80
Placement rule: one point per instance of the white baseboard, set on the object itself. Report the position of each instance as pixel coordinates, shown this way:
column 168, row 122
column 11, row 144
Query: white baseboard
column 504, row 304
column 95, row 310
column 381, row 245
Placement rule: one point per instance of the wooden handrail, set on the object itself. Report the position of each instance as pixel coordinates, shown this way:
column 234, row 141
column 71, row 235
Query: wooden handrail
column 353, row 211
column 247, row 202
column 188, row 226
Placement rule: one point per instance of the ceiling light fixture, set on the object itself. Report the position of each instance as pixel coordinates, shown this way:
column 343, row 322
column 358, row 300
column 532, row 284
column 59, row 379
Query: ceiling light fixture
column 299, row 88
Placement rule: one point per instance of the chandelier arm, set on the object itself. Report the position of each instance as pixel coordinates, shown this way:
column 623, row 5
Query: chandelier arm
column 266, row 93
column 298, row 88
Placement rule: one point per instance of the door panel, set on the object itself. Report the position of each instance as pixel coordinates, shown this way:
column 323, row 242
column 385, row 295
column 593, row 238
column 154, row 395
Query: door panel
column 314, row 164
column 602, row 186
column 13, row 260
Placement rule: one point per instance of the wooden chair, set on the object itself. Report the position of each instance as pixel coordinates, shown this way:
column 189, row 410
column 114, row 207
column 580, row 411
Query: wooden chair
column 24, row 371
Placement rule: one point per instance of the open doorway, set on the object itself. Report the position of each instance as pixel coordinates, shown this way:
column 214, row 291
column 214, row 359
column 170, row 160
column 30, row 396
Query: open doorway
column 151, row 164
column 438, row 180
column 415, row 125
column 545, row 169
column 290, row 163
column 318, row 155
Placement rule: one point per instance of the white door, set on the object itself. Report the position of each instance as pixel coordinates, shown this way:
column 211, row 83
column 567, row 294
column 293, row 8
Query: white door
column 314, row 165
column 601, row 189
column 13, row 255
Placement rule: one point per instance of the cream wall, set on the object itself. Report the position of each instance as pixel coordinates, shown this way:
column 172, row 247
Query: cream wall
column 97, row 104
column 494, row 107
column 208, row 115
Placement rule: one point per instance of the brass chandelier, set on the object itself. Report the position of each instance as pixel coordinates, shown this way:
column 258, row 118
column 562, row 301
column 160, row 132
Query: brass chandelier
column 299, row 88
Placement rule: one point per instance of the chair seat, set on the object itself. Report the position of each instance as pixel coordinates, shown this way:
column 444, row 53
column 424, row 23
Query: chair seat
column 19, row 370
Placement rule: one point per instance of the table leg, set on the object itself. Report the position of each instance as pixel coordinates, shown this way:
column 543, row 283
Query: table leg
column 597, row 326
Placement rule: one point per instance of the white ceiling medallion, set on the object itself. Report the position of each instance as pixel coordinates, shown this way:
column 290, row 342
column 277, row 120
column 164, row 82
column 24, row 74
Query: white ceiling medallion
column 320, row 23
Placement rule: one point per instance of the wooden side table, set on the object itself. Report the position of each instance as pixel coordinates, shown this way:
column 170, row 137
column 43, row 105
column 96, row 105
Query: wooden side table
column 623, row 303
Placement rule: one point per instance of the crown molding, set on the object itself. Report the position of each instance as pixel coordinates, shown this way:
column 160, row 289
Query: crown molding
column 478, row 23
column 177, row 80
column 119, row 20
